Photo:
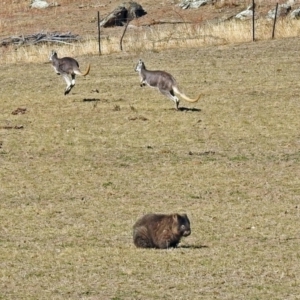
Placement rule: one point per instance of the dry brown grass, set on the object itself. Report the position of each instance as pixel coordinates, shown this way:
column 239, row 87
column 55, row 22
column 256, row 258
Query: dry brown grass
column 78, row 170
column 78, row 175
column 158, row 38
column 79, row 17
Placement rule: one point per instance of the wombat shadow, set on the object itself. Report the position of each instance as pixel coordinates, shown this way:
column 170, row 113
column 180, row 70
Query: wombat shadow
column 91, row 99
column 193, row 246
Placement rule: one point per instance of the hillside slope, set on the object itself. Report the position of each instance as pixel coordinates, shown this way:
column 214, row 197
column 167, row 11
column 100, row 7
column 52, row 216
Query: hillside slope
column 80, row 17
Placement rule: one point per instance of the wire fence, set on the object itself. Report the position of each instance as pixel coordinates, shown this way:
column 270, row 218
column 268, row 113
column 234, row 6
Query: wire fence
column 171, row 28
column 256, row 22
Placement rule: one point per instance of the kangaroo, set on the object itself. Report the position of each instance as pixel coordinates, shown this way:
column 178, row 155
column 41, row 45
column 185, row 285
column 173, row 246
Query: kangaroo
column 160, row 231
column 67, row 66
column 163, row 81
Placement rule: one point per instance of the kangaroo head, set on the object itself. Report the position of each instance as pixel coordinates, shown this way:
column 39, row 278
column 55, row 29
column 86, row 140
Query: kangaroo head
column 52, row 54
column 140, row 65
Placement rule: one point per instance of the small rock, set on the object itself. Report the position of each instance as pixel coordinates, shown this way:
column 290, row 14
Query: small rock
column 39, row 4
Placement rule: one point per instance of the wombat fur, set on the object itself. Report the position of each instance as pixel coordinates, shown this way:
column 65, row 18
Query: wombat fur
column 160, row 231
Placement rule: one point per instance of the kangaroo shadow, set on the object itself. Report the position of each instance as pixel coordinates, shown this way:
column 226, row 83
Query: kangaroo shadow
column 189, row 109
column 182, row 108
column 91, row 99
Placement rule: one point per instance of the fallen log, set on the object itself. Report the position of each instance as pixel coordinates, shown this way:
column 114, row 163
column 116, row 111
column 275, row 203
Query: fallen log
column 52, row 37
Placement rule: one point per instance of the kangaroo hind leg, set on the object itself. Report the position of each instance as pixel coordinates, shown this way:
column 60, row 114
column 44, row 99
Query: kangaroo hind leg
column 73, row 80
column 70, row 83
column 170, row 94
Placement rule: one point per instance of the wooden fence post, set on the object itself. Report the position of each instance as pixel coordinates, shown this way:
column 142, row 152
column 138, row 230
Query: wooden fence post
column 99, row 37
column 253, row 22
column 275, row 18
column 121, row 40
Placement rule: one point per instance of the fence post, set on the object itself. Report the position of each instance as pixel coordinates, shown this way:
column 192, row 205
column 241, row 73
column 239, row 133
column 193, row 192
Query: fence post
column 253, row 18
column 99, row 45
column 275, row 18
column 121, row 40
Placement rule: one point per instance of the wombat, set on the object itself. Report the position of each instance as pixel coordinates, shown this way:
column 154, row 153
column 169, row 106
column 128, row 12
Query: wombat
column 160, row 231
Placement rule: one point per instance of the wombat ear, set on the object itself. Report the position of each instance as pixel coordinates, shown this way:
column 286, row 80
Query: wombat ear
column 175, row 217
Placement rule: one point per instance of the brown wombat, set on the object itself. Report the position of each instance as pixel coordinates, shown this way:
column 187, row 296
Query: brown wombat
column 160, row 231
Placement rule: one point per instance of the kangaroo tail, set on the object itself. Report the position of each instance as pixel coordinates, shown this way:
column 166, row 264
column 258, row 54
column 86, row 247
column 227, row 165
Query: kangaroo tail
column 176, row 90
column 78, row 72
column 87, row 70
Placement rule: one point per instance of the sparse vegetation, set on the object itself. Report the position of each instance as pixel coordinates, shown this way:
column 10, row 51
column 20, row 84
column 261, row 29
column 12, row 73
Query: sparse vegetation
column 161, row 37
column 77, row 171
column 140, row 38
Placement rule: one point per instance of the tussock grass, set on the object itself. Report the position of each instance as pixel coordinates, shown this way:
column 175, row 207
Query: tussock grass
column 158, row 38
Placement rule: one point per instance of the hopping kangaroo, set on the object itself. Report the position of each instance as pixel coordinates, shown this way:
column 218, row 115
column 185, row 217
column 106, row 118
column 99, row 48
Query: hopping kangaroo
column 163, row 81
column 67, row 66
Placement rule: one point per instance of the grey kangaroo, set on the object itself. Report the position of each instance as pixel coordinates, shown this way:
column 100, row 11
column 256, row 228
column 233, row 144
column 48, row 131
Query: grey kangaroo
column 163, row 81
column 67, row 66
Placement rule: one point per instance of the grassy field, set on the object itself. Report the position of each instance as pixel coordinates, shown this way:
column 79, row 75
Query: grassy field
column 78, row 170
